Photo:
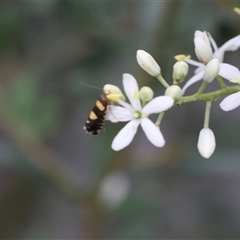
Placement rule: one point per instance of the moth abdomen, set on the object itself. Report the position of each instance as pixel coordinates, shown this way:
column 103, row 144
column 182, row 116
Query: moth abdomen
column 96, row 118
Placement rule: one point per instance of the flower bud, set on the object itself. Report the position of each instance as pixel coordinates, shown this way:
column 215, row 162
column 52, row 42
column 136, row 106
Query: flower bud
column 206, row 142
column 180, row 71
column 147, row 63
column 146, row 94
column 174, row 91
column 114, row 92
column 211, row 70
column 203, row 48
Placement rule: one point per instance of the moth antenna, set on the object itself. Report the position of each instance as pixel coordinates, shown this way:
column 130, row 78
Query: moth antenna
column 91, row 86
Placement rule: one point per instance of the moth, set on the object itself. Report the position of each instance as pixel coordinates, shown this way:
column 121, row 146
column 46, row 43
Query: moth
column 96, row 118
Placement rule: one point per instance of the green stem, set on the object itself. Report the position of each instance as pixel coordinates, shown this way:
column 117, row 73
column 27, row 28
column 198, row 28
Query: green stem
column 209, row 96
column 221, row 82
column 159, row 118
column 162, row 81
column 203, row 86
column 207, row 114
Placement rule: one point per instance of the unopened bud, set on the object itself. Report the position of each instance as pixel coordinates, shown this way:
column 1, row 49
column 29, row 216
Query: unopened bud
column 206, row 143
column 174, row 91
column 148, row 63
column 203, row 48
column 180, row 71
column 211, row 70
column 146, row 94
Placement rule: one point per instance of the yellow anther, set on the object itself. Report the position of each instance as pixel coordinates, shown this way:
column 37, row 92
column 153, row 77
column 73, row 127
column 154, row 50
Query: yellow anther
column 182, row 57
column 113, row 97
column 235, row 80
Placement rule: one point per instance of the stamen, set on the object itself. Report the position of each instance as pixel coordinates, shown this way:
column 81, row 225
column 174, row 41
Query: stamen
column 182, row 57
column 235, row 80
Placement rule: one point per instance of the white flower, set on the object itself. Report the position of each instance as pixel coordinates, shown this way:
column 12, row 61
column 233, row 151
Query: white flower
column 148, row 63
column 206, row 142
column 204, row 56
column 137, row 114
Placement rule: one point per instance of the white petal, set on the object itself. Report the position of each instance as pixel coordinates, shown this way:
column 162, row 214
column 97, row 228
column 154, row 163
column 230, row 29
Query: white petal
column 229, row 72
column 199, row 69
column 214, row 45
column 197, row 77
column 231, row 102
column 194, row 63
column 126, row 105
column 231, row 45
column 131, row 89
column 158, row 104
column 206, row 142
column 198, row 33
column 125, row 136
column 152, row 132
column 118, row 114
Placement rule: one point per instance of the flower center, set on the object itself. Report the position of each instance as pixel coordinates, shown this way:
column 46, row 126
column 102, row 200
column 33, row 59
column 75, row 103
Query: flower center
column 137, row 115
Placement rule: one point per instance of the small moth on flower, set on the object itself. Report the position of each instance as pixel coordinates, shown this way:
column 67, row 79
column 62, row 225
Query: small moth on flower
column 96, row 118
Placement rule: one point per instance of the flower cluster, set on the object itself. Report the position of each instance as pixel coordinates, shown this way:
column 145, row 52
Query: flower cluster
column 206, row 56
column 210, row 66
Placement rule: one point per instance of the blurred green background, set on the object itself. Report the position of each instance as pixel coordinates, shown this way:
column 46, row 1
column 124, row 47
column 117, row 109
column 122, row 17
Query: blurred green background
column 56, row 181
